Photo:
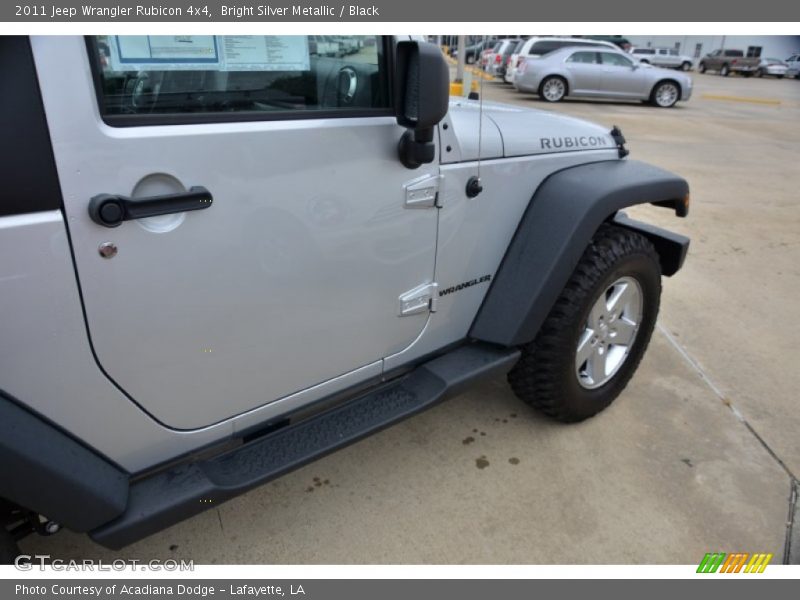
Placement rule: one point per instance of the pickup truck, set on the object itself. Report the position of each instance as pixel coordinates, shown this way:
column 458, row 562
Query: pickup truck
column 726, row 62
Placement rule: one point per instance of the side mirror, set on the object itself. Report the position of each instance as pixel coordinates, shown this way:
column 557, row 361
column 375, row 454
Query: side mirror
column 422, row 93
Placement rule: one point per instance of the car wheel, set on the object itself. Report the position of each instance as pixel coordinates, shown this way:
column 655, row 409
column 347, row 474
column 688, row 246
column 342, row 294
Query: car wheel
column 779, row 76
column 665, row 94
column 594, row 337
column 760, row 73
column 470, row 60
column 686, row 66
column 724, row 70
column 553, row 89
column 701, row 68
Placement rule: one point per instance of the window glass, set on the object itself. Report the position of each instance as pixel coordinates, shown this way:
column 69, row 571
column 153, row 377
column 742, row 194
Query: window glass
column 644, row 51
column 263, row 75
column 616, row 60
column 589, row 58
column 540, row 48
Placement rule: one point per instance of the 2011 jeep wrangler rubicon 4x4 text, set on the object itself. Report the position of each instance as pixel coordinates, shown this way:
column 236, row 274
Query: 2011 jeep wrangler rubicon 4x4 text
column 222, row 258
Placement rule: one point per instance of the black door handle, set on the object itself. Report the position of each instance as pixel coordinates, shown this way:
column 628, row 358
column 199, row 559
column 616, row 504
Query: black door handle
column 110, row 210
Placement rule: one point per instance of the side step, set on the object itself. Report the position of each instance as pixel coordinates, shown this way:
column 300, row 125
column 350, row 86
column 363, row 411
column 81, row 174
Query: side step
column 187, row 489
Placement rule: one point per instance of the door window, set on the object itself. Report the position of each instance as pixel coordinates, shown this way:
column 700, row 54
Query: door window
column 189, row 79
column 753, row 51
column 588, row 58
column 615, row 60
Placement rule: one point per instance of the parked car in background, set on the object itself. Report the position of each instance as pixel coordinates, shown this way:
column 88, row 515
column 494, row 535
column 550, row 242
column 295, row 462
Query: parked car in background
column 668, row 58
column 498, row 59
column 473, row 51
column 600, row 73
column 511, row 61
column 488, row 54
column 772, row 66
column 539, row 46
column 793, row 62
column 726, row 62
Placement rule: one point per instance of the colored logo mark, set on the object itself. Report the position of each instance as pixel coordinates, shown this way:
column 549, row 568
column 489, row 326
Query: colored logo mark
column 737, row 562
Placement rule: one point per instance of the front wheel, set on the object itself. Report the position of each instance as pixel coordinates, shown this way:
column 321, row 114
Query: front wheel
column 553, row 89
column 665, row 94
column 594, row 337
column 724, row 70
column 686, row 65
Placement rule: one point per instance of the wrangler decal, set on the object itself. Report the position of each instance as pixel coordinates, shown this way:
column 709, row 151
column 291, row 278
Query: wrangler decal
column 466, row 284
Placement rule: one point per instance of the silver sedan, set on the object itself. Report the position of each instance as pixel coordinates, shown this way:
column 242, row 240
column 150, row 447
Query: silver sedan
column 600, row 73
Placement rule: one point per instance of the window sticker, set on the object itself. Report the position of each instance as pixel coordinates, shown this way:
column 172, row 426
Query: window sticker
column 210, row 53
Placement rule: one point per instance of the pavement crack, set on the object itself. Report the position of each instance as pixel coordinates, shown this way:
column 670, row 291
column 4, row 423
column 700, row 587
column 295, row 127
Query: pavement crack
column 790, row 546
column 724, row 399
column 219, row 517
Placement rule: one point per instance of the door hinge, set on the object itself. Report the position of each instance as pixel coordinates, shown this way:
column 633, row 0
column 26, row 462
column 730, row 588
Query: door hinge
column 422, row 298
column 423, row 192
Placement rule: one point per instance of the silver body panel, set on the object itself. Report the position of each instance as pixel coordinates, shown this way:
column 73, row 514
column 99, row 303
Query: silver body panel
column 629, row 82
column 293, row 279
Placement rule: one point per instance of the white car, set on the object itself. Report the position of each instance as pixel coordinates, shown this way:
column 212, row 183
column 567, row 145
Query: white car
column 772, row 66
column 539, row 46
column 794, row 66
column 669, row 58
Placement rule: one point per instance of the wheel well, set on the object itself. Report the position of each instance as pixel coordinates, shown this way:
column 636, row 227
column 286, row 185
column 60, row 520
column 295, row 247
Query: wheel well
column 667, row 80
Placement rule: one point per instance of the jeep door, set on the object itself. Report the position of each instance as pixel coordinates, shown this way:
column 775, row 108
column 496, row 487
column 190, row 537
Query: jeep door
column 289, row 273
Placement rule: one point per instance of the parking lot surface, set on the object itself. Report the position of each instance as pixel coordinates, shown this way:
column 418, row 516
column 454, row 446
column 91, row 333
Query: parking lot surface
column 697, row 455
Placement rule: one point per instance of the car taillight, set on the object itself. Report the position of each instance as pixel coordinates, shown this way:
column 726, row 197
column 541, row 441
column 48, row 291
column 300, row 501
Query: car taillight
column 733, row 62
column 508, row 61
column 521, row 65
column 498, row 59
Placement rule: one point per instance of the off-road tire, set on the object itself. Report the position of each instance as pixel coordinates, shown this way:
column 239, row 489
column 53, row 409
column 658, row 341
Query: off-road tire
column 8, row 548
column 545, row 376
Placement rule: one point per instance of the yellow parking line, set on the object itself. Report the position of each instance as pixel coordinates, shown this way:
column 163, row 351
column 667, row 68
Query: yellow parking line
column 740, row 99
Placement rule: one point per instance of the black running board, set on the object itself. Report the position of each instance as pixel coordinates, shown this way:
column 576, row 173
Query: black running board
column 182, row 491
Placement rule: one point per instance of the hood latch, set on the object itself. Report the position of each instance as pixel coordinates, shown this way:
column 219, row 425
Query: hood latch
column 619, row 140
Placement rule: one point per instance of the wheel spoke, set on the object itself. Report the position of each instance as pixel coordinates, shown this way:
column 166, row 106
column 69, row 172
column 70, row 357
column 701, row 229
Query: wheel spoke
column 624, row 332
column 620, row 297
column 598, row 312
column 597, row 366
column 585, row 347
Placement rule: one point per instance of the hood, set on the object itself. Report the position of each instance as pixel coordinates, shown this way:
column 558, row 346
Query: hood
column 513, row 131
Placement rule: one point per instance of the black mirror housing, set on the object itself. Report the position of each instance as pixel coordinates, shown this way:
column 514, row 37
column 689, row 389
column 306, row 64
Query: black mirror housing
column 423, row 85
column 421, row 97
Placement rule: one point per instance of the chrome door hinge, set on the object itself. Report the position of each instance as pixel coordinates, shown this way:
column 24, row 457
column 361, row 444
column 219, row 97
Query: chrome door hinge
column 422, row 298
column 423, row 192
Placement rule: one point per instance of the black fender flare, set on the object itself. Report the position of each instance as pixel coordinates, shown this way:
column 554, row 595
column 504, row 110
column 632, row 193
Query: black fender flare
column 557, row 226
column 46, row 470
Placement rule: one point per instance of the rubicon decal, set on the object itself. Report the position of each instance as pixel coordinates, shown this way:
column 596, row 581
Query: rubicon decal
column 466, row 284
column 736, row 562
column 578, row 141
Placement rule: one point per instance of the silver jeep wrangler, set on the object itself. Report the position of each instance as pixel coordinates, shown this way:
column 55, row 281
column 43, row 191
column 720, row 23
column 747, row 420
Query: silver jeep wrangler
column 223, row 257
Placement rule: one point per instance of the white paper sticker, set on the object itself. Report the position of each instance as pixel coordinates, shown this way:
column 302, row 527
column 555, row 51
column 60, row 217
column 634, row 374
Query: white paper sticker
column 210, row 53
column 265, row 52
